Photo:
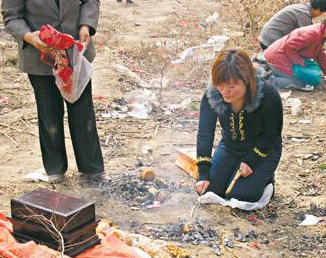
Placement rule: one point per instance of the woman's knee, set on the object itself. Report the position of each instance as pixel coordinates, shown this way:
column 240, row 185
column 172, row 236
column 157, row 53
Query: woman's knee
column 246, row 195
column 217, row 189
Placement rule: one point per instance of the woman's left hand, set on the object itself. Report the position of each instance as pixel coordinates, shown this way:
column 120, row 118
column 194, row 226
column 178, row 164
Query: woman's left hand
column 84, row 36
column 245, row 170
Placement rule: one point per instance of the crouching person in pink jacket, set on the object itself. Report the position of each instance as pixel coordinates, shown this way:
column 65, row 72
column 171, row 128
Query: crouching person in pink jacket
column 298, row 59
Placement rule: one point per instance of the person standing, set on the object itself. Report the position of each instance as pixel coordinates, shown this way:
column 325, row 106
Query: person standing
column 290, row 18
column 79, row 18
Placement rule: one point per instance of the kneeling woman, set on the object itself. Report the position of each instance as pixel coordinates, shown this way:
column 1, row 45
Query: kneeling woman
column 251, row 119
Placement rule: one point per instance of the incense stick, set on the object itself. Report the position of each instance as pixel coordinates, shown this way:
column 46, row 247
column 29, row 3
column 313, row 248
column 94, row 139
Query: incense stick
column 237, row 175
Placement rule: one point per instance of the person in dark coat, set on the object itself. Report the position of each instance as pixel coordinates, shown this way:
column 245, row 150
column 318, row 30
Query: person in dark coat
column 250, row 115
column 79, row 18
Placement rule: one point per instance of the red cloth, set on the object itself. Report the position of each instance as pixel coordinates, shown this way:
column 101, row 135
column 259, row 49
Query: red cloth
column 302, row 43
column 110, row 246
column 60, row 42
column 54, row 38
column 5, row 223
column 9, row 248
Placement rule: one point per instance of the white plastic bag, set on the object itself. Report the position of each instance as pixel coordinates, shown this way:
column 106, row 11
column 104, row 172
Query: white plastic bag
column 211, row 197
column 82, row 73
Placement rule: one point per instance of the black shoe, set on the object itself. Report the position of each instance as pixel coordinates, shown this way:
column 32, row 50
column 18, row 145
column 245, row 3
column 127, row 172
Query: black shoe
column 119, row 1
column 95, row 178
column 129, row 2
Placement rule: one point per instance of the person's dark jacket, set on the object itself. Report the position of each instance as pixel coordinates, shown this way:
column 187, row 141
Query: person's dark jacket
column 252, row 133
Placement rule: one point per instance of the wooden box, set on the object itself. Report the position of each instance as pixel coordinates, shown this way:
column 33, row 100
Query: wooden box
column 70, row 250
column 48, row 234
column 66, row 213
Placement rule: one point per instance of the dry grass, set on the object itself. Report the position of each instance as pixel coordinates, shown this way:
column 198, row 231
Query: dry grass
column 249, row 16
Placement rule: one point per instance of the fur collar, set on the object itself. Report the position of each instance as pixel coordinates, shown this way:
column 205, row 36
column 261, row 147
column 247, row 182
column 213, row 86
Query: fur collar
column 216, row 101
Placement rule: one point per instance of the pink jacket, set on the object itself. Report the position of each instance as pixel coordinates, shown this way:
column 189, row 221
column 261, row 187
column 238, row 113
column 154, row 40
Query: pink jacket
column 302, row 43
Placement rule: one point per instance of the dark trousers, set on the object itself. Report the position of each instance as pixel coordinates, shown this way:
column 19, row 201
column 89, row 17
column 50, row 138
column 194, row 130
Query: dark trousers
column 225, row 163
column 82, row 126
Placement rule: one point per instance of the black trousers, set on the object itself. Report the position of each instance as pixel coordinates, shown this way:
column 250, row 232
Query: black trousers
column 225, row 163
column 82, row 126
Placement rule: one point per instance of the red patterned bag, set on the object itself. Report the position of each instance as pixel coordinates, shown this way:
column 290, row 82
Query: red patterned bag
column 71, row 81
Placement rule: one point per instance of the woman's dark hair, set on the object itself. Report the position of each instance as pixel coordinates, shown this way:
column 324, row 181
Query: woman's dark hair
column 234, row 64
column 318, row 4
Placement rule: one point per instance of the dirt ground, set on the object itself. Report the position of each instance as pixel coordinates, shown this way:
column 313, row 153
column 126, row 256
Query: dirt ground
column 145, row 37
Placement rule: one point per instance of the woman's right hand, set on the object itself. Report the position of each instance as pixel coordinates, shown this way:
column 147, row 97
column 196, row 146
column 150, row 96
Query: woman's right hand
column 201, row 186
column 34, row 39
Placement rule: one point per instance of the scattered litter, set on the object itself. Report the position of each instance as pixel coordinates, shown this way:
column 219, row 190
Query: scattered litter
column 156, row 204
column 37, row 175
column 126, row 71
column 100, row 97
column 255, row 245
column 156, row 83
column 232, row 34
column 106, row 115
column 293, row 139
column 311, row 220
column 204, row 52
column 170, row 43
column 203, row 25
column 141, row 103
column 114, row 114
column 252, row 218
column 239, row 236
column 227, row 242
column 212, row 19
column 295, row 104
column 198, row 53
column 304, row 121
column 169, row 108
column 146, row 149
column 211, row 197
column 311, row 156
column 218, row 41
column 285, row 95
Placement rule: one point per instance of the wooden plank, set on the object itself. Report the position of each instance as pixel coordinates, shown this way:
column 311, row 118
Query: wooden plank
column 186, row 160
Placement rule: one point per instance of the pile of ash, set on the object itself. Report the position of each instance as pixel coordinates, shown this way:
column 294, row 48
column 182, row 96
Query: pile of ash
column 193, row 233
column 132, row 190
column 307, row 246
